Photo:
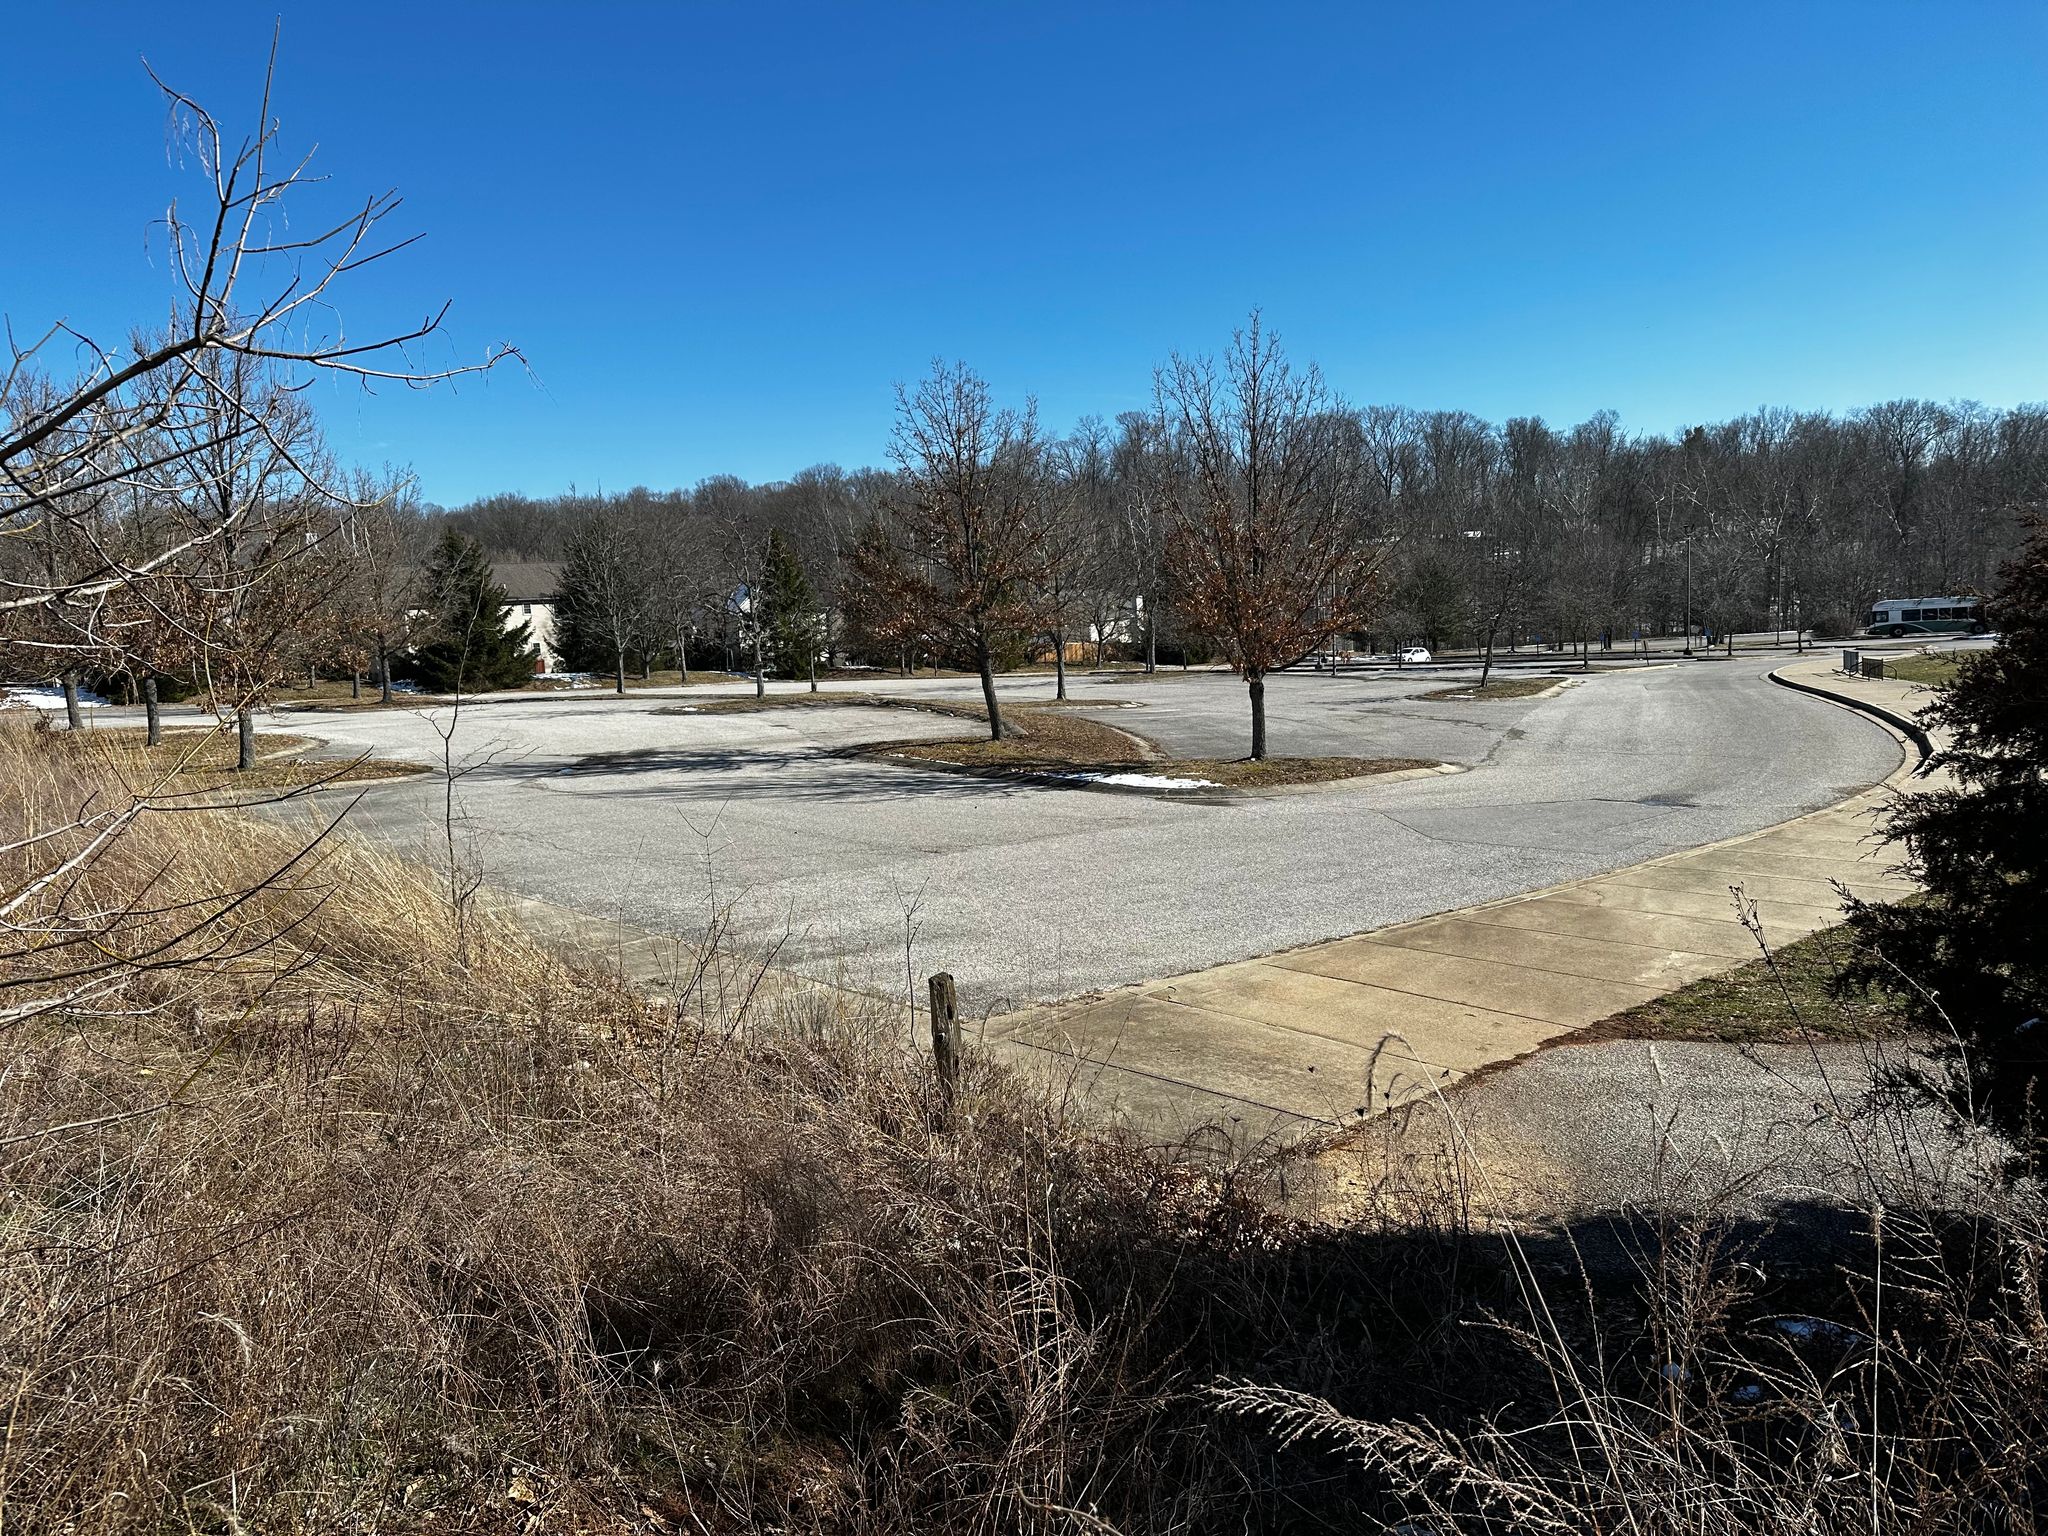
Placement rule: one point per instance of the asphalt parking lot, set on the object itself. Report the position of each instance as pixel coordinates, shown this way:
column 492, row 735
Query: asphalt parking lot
column 865, row 872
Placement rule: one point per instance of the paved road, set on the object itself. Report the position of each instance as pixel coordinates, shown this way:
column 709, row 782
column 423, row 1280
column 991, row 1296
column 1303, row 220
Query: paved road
column 1029, row 892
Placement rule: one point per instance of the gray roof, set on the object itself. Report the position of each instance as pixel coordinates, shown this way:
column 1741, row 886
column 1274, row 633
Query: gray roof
column 529, row 581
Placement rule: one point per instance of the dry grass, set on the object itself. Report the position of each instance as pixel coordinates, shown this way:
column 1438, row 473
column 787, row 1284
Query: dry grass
column 341, row 696
column 750, row 705
column 1050, row 739
column 1273, row 772
column 1036, row 739
column 661, row 677
column 1504, row 688
column 370, row 1211
column 341, row 1205
column 203, row 758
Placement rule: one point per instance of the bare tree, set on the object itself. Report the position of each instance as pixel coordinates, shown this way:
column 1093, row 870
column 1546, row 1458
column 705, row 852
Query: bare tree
column 140, row 469
column 1268, row 551
column 966, row 546
column 1139, row 472
column 677, row 560
column 1080, row 584
column 605, row 588
column 385, row 544
column 737, row 526
column 144, row 419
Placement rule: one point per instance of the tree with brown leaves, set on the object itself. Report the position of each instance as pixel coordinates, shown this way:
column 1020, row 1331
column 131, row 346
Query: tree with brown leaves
column 1267, row 547
column 961, row 553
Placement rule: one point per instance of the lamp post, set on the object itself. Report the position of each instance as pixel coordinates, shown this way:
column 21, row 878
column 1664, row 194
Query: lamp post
column 1688, row 594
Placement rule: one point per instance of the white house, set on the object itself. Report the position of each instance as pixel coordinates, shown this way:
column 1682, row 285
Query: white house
column 533, row 592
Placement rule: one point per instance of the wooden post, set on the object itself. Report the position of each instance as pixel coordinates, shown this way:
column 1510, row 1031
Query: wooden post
column 946, row 1032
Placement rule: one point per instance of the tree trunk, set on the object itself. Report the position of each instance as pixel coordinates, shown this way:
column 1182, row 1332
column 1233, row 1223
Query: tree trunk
column 1255, row 681
column 1486, row 666
column 619, row 673
column 760, row 677
column 72, row 717
column 814, row 669
column 152, row 712
column 355, row 684
column 1151, row 642
column 312, row 677
column 1059, row 667
column 902, row 662
column 245, row 732
column 647, row 665
column 383, row 670
column 683, row 656
column 986, row 663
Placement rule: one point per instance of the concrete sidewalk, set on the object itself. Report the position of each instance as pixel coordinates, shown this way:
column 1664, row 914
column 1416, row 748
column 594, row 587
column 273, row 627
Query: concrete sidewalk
column 1316, row 1037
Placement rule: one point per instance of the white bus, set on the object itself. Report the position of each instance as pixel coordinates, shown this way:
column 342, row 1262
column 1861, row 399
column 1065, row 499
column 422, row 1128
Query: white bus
column 1899, row 616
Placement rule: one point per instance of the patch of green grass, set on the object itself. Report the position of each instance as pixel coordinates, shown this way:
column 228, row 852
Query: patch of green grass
column 1782, row 998
column 1933, row 668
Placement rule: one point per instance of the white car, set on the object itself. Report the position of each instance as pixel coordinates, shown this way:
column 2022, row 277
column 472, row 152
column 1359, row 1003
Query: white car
column 1413, row 653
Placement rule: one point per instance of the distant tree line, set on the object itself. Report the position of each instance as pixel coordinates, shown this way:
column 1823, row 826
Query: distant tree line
column 1253, row 516
column 1250, row 515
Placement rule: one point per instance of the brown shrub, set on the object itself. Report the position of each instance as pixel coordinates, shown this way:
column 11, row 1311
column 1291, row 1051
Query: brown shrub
column 345, row 1203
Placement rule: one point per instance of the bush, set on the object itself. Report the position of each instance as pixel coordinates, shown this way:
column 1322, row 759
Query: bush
column 1971, row 962
column 357, row 1210
column 1832, row 626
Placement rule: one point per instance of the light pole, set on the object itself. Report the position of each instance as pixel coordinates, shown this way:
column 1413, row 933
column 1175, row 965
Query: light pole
column 1688, row 594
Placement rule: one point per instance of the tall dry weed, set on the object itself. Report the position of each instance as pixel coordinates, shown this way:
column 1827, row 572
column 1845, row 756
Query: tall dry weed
column 327, row 1208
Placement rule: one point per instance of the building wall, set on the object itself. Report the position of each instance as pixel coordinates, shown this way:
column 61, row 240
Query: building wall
column 539, row 619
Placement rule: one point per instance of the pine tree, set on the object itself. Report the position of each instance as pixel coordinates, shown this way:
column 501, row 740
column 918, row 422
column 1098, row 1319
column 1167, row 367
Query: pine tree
column 473, row 649
column 789, row 609
column 1972, row 958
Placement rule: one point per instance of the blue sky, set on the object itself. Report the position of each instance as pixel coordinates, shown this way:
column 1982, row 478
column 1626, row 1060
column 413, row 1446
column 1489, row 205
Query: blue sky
column 720, row 232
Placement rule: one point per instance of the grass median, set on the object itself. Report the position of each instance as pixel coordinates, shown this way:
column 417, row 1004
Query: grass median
column 203, row 758
column 1935, row 669
column 1503, row 688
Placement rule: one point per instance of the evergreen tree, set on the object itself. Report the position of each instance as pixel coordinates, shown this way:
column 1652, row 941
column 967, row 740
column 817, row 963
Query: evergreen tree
column 789, row 610
column 473, row 649
column 1972, row 958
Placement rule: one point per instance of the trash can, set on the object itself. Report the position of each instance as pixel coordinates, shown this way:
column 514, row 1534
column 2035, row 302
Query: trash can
column 1852, row 661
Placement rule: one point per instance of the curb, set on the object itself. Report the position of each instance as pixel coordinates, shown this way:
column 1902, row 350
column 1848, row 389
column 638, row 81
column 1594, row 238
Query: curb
column 1905, row 725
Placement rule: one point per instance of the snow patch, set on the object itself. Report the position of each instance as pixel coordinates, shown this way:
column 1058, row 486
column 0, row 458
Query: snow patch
column 1141, row 781
column 46, row 698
